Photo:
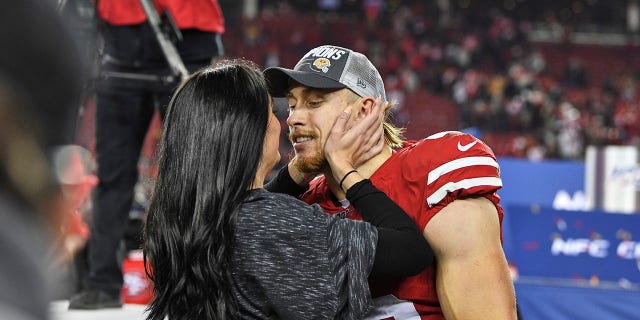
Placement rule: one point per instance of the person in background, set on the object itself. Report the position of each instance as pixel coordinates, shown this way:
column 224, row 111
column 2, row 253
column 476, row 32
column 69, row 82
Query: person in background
column 135, row 81
column 219, row 246
column 446, row 183
column 40, row 83
column 73, row 168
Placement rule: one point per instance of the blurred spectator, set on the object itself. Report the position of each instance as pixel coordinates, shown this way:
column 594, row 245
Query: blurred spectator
column 575, row 73
column 633, row 19
column 73, row 167
column 40, row 81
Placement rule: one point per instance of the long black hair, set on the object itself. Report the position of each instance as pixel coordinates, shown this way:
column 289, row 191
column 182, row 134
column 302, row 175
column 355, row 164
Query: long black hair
column 210, row 150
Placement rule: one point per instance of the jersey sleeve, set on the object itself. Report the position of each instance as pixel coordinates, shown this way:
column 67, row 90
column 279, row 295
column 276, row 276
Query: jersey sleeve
column 459, row 166
column 297, row 256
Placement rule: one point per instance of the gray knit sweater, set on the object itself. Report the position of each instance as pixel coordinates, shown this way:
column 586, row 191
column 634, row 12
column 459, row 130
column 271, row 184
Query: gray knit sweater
column 292, row 261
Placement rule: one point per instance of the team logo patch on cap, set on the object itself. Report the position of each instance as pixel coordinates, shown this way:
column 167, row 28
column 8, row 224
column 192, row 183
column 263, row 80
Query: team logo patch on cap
column 322, row 64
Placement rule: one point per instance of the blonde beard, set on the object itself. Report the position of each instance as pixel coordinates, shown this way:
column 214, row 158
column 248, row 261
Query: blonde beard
column 315, row 163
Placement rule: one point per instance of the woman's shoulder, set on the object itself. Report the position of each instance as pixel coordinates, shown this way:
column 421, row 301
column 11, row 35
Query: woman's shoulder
column 272, row 217
column 284, row 206
column 265, row 197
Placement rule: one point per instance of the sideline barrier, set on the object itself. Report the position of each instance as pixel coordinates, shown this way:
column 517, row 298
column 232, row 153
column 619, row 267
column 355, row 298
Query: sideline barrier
column 556, row 302
column 574, row 265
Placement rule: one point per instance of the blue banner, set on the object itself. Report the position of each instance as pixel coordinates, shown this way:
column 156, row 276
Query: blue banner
column 592, row 248
column 554, row 184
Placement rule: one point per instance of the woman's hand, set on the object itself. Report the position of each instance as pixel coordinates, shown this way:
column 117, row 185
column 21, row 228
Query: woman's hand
column 355, row 140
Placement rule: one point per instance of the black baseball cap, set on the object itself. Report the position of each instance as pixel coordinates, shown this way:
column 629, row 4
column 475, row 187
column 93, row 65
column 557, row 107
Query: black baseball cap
column 329, row 67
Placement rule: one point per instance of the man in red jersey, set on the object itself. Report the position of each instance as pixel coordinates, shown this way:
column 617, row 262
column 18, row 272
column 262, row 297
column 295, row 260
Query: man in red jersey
column 447, row 183
column 135, row 80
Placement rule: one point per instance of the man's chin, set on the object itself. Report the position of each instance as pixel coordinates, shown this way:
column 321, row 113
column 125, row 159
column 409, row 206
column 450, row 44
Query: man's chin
column 310, row 164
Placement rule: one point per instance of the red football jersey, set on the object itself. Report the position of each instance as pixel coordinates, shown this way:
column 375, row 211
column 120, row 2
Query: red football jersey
column 422, row 178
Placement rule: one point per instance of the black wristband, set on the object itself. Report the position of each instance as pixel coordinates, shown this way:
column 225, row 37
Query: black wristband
column 346, row 175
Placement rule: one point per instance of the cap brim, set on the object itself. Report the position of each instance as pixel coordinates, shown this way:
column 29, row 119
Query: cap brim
column 278, row 80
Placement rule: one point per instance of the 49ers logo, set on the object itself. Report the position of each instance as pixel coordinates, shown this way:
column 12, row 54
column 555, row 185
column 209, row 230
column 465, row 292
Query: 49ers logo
column 322, row 64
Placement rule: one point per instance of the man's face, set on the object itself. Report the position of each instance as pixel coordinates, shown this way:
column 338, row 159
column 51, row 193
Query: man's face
column 312, row 113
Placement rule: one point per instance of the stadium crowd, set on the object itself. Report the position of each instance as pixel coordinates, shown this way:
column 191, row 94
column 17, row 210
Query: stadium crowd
column 532, row 99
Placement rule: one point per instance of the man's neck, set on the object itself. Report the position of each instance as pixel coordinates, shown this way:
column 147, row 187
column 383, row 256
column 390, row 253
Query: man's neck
column 366, row 170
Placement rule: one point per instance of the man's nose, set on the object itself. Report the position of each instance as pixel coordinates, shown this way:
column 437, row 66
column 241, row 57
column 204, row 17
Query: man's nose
column 296, row 117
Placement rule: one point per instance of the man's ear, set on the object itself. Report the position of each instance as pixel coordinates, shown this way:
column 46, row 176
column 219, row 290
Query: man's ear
column 366, row 105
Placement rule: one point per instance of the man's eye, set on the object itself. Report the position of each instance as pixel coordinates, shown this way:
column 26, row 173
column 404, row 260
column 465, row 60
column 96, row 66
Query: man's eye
column 314, row 103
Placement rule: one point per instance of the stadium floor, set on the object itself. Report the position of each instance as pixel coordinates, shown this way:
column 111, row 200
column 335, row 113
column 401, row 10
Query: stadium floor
column 59, row 311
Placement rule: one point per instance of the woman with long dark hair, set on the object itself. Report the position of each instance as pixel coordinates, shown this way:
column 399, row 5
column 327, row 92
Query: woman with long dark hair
column 221, row 247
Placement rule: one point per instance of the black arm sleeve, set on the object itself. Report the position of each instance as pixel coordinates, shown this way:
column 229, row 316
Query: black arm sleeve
column 283, row 183
column 402, row 250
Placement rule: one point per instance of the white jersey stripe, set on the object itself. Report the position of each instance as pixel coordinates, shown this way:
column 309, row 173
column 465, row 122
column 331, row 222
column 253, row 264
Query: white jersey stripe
column 439, row 135
column 460, row 163
column 437, row 196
